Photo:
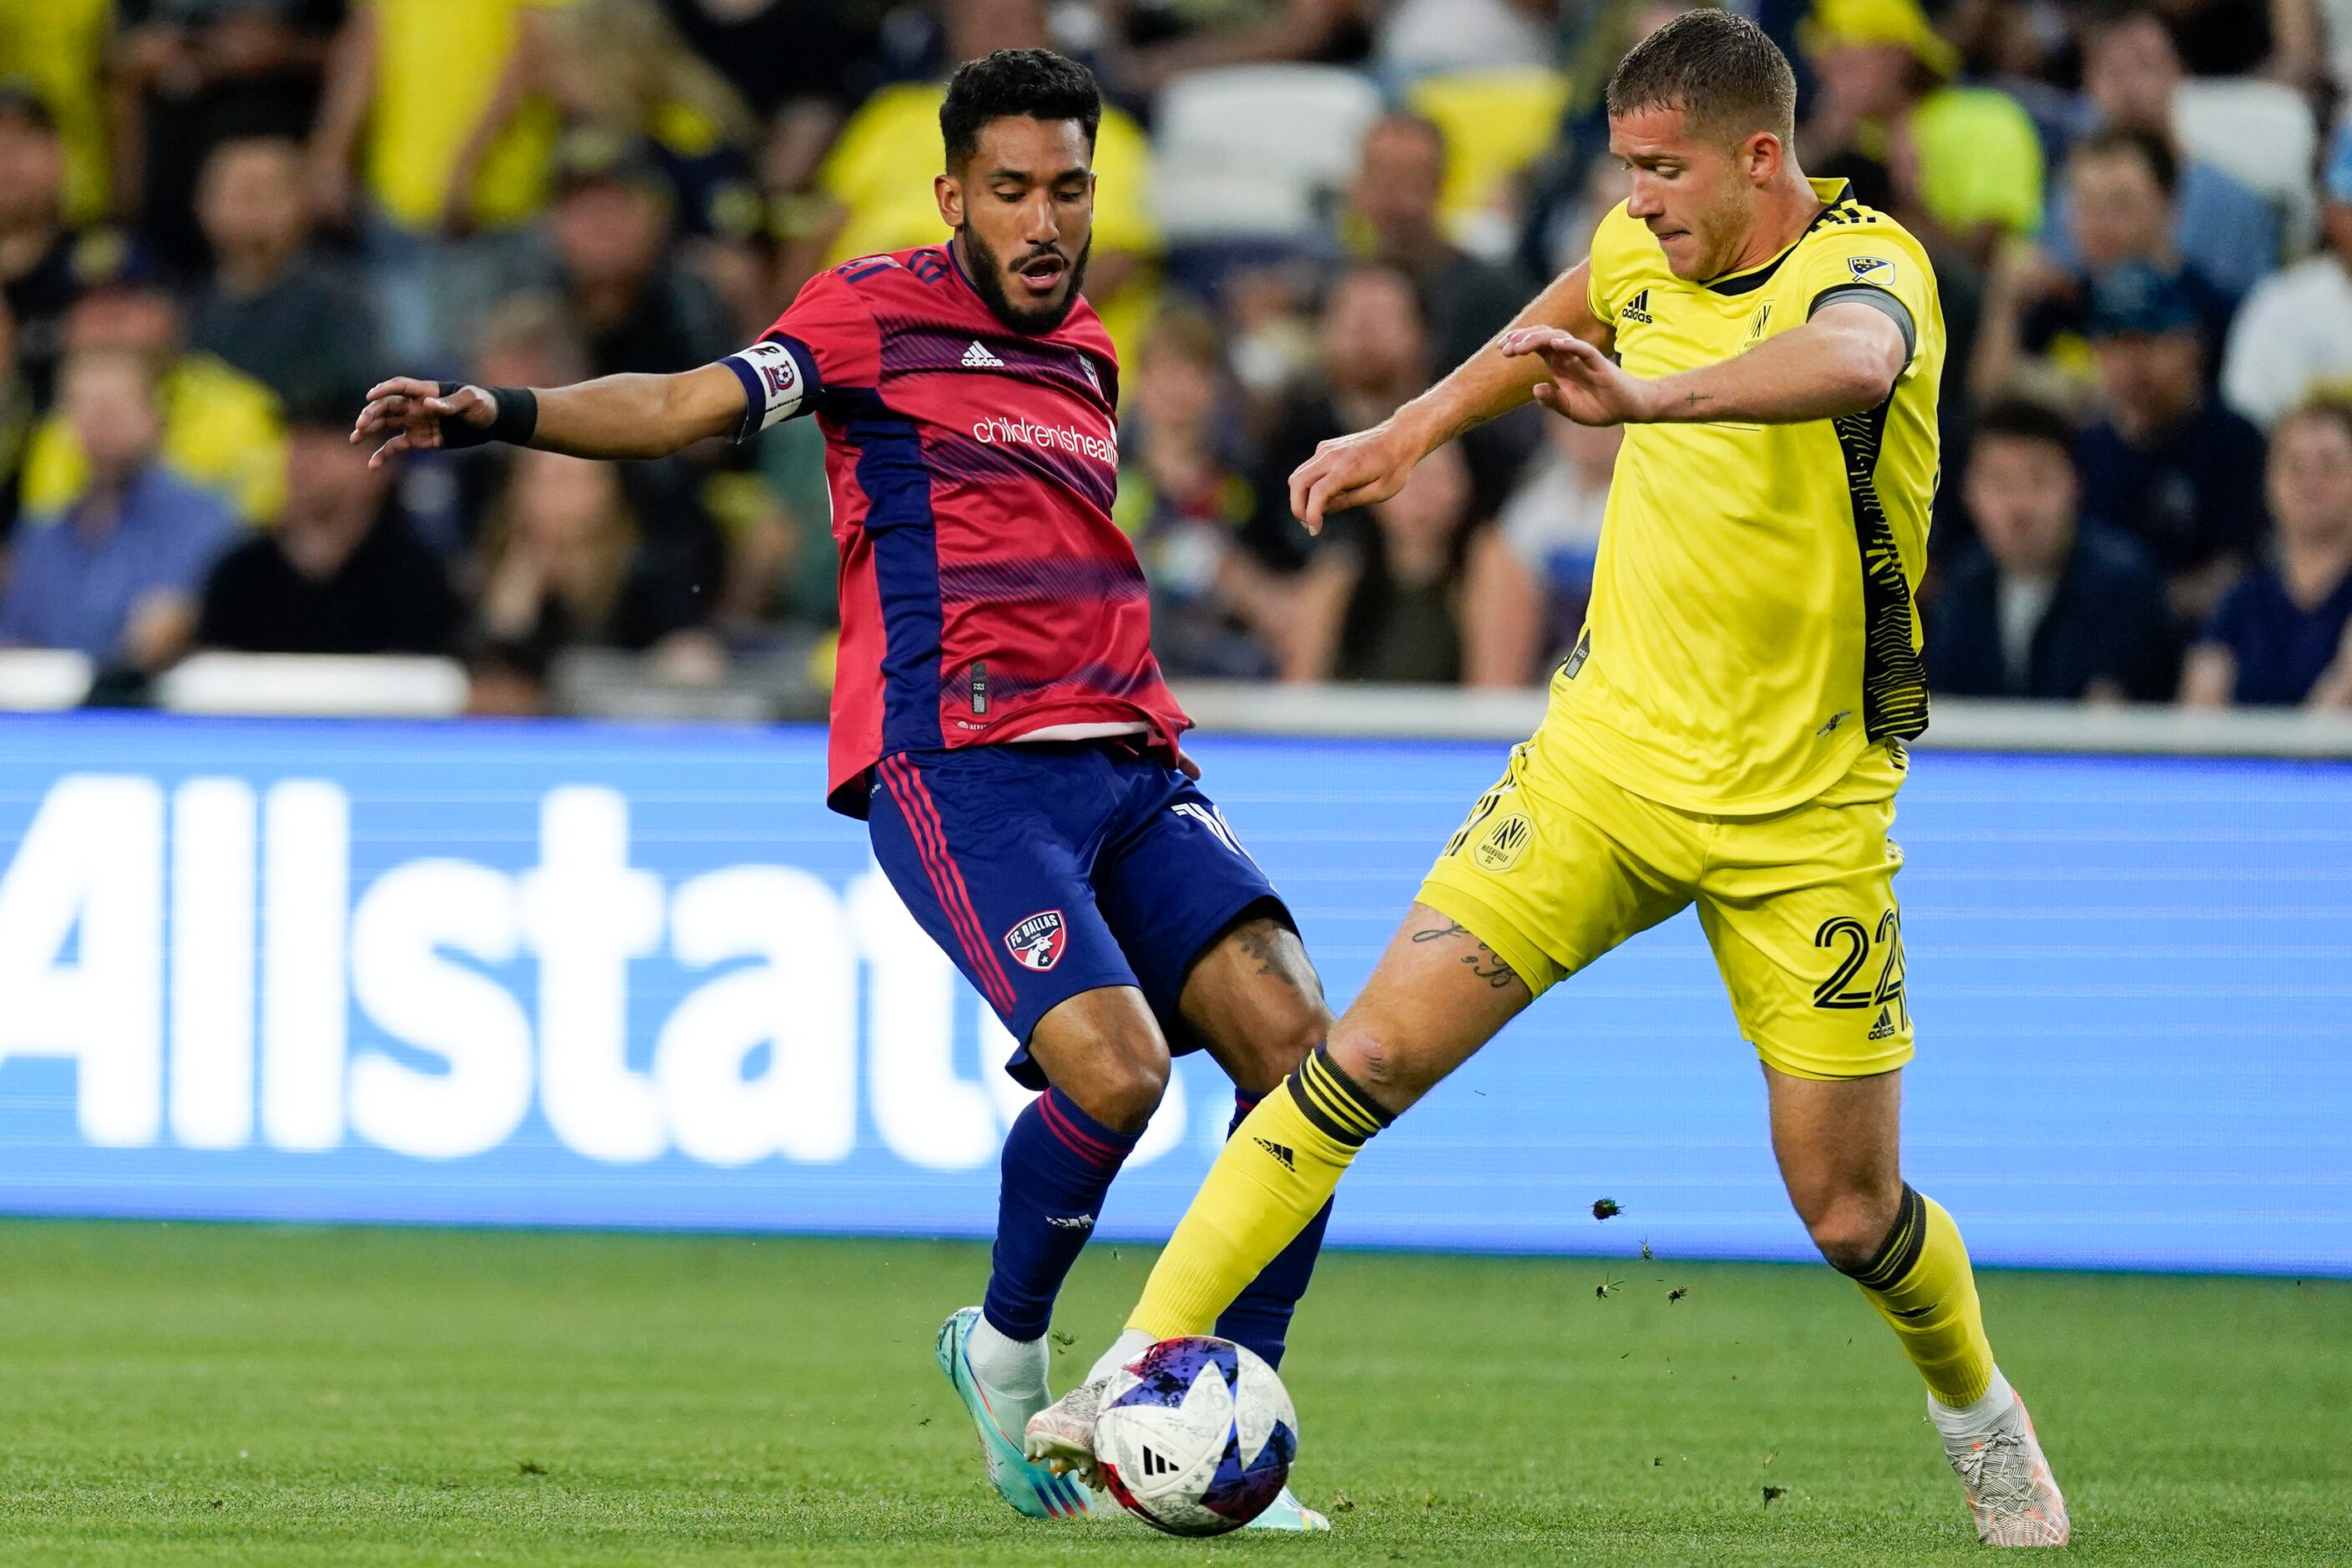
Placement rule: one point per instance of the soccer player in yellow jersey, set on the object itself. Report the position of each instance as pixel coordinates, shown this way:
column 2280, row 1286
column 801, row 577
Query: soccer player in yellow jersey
column 1728, row 732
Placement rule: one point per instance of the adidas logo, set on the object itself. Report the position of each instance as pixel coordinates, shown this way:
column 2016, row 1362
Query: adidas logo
column 1157, row 1464
column 1278, row 1151
column 1072, row 1222
column 1884, row 1028
column 1637, row 308
column 977, row 357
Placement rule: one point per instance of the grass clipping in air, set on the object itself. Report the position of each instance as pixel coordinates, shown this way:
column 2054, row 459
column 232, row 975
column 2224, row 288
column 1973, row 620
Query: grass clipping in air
column 175, row 1394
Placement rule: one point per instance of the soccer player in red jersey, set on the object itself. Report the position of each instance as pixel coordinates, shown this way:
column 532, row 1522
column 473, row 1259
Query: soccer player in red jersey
column 998, row 718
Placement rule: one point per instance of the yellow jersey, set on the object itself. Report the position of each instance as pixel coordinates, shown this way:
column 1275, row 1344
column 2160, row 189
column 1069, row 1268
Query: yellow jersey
column 222, row 432
column 60, row 48
column 1753, row 631
column 437, row 67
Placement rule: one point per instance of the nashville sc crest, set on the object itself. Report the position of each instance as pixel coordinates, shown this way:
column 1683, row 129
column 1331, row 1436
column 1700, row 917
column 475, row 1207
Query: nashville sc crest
column 1038, row 941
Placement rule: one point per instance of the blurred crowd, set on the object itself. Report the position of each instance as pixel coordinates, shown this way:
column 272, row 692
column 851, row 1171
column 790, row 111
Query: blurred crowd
column 222, row 220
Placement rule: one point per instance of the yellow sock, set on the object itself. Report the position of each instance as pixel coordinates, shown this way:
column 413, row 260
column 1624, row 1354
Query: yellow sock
column 1273, row 1175
column 1921, row 1284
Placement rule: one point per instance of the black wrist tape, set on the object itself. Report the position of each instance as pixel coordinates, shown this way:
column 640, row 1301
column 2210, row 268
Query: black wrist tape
column 516, row 418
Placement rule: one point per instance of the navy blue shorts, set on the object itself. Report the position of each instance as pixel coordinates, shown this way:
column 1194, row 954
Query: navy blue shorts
column 1051, row 869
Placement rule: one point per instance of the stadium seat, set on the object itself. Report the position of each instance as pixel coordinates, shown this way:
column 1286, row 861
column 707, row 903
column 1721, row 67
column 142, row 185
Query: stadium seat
column 42, row 680
column 1256, row 152
column 1496, row 123
column 2261, row 132
column 314, row 685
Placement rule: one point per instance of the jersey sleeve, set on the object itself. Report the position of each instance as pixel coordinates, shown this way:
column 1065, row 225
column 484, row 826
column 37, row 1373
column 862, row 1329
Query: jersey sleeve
column 1862, row 266
column 825, row 344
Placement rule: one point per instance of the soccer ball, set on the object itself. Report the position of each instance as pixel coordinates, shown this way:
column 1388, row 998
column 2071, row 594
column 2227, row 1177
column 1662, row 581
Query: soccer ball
column 1196, row 1435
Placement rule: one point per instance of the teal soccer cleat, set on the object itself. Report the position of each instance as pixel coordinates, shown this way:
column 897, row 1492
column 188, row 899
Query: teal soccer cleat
column 1287, row 1512
column 1032, row 1489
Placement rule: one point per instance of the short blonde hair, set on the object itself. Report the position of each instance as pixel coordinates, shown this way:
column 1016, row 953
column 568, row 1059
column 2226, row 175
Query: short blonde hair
column 1716, row 66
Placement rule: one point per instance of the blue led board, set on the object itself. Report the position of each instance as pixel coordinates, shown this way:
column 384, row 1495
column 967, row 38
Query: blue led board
column 554, row 973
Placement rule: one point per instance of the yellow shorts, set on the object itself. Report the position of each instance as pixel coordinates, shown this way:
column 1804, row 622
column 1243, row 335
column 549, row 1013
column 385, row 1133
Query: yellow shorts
column 1556, row 865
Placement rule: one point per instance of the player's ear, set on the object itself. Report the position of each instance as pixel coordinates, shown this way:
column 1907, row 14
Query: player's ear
column 949, row 192
column 1761, row 157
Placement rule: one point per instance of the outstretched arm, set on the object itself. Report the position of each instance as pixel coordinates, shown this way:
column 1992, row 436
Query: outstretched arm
column 1844, row 361
column 614, row 416
column 1372, row 465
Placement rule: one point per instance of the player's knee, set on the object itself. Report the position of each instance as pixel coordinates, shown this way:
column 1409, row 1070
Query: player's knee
column 1133, row 1093
column 1379, row 1067
column 1848, row 1229
column 1123, row 1088
column 1279, row 1044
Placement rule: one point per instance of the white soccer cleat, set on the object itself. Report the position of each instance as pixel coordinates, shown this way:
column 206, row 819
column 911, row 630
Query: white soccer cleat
column 1061, row 1437
column 2011, row 1492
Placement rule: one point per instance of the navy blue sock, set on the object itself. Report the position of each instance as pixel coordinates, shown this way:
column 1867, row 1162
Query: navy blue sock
column 1058, row 1163
column 1260, row 1316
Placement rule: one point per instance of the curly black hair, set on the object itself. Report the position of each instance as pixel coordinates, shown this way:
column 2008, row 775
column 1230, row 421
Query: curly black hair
column 1037, row 83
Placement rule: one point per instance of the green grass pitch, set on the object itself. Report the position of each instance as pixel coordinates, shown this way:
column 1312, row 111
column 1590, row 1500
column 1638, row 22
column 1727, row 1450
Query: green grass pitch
column 177, row 1395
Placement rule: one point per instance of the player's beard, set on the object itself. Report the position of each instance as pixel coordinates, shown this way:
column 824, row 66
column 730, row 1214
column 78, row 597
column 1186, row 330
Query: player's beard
column 987, row 277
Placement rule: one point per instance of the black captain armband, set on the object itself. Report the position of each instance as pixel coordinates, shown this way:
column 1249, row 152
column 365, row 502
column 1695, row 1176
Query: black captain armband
column 1878, row 299
column 516, row 419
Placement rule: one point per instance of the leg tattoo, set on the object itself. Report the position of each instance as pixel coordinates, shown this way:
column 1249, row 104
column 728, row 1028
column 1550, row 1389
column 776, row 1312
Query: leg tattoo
column 1486, row 963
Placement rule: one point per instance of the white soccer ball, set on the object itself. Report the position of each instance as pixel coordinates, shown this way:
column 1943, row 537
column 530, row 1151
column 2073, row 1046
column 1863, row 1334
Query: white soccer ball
column 1196, row 1435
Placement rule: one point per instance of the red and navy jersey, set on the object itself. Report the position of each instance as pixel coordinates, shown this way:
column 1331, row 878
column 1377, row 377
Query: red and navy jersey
column 985, row 593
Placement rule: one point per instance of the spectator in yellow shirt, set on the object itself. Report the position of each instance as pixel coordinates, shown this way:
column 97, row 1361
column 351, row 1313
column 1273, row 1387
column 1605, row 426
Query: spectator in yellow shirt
column 222, row 430
column 58, row 50
column 434, row 111
column 878, row 178
column 1887, row 92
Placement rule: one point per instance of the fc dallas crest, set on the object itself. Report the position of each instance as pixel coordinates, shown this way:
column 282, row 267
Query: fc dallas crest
column 1038, row 940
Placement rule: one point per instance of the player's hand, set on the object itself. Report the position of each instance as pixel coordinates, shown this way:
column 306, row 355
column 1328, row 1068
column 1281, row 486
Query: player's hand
column 1186, row 765
column 409, row 413
column 1354, row 470
column 1586, row 385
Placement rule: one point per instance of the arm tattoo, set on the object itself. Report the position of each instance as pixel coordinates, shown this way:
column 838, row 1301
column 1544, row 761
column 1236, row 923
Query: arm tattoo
column 1486, row 963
